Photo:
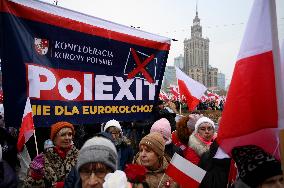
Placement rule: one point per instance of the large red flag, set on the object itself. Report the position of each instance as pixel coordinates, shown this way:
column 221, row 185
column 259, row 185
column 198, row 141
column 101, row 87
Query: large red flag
column 27, row 127
column 184, row 172
column 253, row 112
column 191, row 89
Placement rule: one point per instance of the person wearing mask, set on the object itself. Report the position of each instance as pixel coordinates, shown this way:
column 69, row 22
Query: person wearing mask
column 58, row 160
column 152, row 156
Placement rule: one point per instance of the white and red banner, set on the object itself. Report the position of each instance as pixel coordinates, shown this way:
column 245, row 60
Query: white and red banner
column 184, row 172
column 191, row 89
column 27, row 126
column 253, row 112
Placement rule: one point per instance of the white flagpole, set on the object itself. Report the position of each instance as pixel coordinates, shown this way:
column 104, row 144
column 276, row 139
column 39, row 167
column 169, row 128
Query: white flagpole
column 35, row 143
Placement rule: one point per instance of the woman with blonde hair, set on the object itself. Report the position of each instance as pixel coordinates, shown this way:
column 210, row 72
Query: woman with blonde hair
column 56, row 161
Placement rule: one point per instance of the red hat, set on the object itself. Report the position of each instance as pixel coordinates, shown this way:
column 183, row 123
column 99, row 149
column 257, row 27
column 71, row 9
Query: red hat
column 55, row 128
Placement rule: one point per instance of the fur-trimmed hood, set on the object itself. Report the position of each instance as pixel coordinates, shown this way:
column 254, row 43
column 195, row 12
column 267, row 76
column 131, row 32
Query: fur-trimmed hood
column 197, row 145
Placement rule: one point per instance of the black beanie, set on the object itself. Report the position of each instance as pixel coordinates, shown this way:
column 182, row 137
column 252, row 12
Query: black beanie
column 255, row 165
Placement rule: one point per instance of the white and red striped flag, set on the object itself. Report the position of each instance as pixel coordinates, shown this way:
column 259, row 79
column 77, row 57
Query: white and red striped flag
column 27, row 126
column 213, row 95
column 253, row 113
column 184, row 172
column 163, row 96
column 191, row 89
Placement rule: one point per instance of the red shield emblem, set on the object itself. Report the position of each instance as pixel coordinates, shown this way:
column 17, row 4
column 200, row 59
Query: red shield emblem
column 41, row 46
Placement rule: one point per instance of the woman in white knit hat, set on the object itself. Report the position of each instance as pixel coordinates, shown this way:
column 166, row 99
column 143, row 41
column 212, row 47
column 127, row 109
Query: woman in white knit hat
column 122, row 143
column 200, row 140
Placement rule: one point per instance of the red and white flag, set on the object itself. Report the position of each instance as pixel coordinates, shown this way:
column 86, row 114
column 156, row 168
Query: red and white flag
column 163, row 96
column 253, row 113
column 191, row 89
column 27, row 126
column 213, row 95
column 175, row 92
column 184, row 172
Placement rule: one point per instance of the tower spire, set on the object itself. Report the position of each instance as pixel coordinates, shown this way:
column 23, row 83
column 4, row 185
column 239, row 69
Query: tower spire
column 196, row 8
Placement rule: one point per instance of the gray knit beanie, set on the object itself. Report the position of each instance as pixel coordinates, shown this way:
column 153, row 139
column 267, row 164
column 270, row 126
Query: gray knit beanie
column 98, row 149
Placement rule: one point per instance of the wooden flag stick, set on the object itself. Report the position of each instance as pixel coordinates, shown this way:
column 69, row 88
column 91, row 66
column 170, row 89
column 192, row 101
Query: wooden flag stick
column 281, row 137
column 35, row 143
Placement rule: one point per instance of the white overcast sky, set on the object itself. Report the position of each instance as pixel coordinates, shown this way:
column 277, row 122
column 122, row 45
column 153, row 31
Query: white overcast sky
column 223, row 22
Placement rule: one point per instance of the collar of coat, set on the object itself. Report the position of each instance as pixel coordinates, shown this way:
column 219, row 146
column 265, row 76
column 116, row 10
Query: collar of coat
column 197, row 145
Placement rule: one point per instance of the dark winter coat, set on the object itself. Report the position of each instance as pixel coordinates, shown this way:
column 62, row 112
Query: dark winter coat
column 72, row 178
column 8, row 177
column 217, row 169
column 171, row 149
column 9, row 148
column 125, row 153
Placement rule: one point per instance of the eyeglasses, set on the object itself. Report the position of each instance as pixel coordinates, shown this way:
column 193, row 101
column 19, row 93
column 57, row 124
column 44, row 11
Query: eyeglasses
column 100, row 170
column 206, row 128
column 100, row 173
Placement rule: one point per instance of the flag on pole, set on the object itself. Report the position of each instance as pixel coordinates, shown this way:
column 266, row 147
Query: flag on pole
column 191, row 89
column 184, row 172
column 253, row 112
column 27, row 126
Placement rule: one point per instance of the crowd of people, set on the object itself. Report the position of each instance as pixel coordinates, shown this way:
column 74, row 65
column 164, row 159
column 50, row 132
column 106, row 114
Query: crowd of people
column 135, row 154
column 211, row 105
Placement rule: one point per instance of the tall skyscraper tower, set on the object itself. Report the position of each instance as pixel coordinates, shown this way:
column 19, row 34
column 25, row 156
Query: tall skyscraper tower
column 196, row 56
column 196, row 53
